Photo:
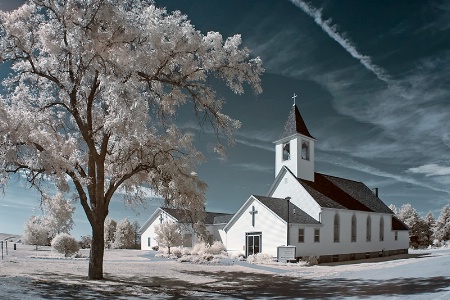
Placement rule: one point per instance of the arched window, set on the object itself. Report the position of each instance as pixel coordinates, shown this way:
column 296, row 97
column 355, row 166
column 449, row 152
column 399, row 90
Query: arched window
column 354, row 228
column 369, row 229
column 336, row 228
column 381, row 229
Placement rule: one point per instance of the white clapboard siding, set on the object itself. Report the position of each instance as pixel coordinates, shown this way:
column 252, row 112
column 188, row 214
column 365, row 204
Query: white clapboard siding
column 272, row 227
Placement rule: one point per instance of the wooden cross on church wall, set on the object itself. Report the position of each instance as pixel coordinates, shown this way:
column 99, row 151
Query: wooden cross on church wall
column 253, row 212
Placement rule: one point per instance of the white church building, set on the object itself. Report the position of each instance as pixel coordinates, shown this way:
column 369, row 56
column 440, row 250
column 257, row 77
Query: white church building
column 333, row 218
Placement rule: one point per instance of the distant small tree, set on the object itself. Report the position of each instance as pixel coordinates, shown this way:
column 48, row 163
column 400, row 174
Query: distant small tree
column 442, row 229
column 124, row 235
column 110, row 230
column 65, row 243
column 137, row 235
column 58, row 214
column 35, row 232
column 408, row 215
column 168, row 234
column 418, row 227
column 85, row 242
column 430, row 223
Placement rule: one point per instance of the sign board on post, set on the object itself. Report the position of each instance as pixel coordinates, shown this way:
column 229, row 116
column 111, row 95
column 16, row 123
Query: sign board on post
column 286, row 253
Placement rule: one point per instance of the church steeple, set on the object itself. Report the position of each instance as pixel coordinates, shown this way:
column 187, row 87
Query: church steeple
column 295, row 124
column 295, row 147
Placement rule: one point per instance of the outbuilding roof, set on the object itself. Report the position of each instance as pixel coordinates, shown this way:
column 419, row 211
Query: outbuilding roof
column 184, row 216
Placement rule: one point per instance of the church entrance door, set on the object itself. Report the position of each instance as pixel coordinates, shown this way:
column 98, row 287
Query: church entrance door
column 252, row 243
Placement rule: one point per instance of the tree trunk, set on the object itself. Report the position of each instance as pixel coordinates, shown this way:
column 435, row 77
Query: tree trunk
column 97, row 252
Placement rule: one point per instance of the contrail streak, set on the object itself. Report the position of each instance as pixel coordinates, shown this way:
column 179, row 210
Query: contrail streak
column 331, row 30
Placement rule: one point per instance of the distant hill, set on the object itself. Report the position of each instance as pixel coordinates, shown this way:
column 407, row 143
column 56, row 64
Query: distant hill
column 9, row 237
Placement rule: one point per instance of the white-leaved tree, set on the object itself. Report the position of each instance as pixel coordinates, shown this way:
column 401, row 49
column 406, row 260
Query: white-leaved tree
column 110, row 229
column 124, row 235
column 91, row 99
column 35, row 232
column 58, row 214
column 168, row 234
column 442, row 227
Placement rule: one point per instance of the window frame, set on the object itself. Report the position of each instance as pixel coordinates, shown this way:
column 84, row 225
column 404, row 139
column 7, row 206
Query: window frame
column 305, row 151
column 336, row 228
column 353, row 228
column 316, row 235
column 381, row 229
column 301, row 237
column 286, row 151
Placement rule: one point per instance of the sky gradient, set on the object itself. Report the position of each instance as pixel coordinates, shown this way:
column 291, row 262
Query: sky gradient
column 372, row 79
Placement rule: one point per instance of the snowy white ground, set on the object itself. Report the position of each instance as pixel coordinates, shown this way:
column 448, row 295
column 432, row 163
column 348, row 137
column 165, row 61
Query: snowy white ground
column 134, row 274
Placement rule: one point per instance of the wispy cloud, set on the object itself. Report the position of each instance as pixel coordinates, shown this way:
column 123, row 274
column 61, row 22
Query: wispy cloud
column 354, row 165
column 253, row 167
column 346, row 43
column 431, row 170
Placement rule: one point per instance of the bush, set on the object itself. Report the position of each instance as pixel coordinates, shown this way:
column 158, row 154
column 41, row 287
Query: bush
column 65, row 243
column 216, row 248
column 155, row 248
column 260, row 258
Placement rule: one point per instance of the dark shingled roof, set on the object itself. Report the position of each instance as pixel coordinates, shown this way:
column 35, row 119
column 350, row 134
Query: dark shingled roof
column 361, row 193
column 280, row 207
column 335, row 192
column 295, row 124
column 398, row 225
column 210, row 217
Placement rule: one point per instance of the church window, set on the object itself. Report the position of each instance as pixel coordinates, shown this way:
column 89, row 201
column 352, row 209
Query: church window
column 317, row 235
column 336, row 228
column 305, row 150
column 354, row 228
column 301, row 235
column 381, row 229
column 396, row 235
column 368, row 229
column 286, row 151
column 149, row 241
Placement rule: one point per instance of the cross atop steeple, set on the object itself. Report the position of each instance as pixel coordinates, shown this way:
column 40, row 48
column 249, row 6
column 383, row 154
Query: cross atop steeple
column 293, row 97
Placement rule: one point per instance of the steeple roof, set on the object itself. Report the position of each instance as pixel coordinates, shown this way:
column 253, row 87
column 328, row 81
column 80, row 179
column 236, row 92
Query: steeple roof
column 295, row 124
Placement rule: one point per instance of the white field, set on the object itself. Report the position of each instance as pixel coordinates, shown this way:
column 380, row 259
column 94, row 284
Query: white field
column 134, row 274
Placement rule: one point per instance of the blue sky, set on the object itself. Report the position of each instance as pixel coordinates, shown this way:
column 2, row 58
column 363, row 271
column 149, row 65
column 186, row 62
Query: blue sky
column 372, row 79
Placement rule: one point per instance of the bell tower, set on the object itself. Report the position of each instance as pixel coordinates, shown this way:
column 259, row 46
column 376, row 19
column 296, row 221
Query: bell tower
column 295, row 147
